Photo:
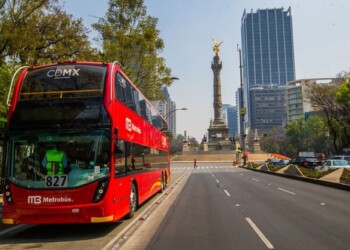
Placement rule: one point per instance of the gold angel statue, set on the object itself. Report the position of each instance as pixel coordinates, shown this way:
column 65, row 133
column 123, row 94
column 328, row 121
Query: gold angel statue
column 216, row 46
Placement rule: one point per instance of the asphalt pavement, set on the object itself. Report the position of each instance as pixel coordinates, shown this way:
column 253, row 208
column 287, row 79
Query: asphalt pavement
column 224, row 207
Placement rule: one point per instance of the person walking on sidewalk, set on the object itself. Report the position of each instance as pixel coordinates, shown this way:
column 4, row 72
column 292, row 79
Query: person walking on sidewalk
column 194, row 163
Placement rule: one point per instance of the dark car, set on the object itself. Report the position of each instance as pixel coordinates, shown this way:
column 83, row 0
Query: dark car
column 307, row 162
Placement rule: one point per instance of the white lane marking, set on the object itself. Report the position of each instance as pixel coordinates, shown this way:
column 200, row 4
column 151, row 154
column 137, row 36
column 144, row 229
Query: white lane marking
column 237, row 205
column 289, row 192
column 227, row 193
column 260, row 234
column 217, row 181
column 241, row 174
column 255, row 179
column 323, row 204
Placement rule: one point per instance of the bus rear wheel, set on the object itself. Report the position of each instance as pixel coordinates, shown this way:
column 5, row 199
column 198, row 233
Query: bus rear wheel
column 162, row 184
column 133, row 201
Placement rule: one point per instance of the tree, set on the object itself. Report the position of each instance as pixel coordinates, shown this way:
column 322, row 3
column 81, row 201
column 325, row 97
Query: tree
column 37, row 32
column 329, row 101
column 175, row 145
column 130, row 36
column 309, row 135
column 276, row 141
column 5, row 78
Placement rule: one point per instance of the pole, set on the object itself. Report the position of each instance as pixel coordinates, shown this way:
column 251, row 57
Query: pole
column 242, row 109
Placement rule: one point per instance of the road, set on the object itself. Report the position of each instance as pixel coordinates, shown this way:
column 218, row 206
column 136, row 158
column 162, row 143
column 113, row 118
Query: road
column 221, row 207
column 215, row 206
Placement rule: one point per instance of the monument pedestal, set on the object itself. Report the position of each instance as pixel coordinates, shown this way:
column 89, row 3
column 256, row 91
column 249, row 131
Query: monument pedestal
column 185, row 143
column 218, row 137
column 185, row 147
column 256, row 148
column 205, row 146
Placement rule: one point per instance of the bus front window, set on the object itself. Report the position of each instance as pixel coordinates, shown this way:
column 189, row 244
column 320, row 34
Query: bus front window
column 69, row 159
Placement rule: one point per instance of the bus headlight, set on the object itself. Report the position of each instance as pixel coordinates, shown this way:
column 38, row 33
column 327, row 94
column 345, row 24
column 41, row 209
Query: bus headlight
column 100, row 190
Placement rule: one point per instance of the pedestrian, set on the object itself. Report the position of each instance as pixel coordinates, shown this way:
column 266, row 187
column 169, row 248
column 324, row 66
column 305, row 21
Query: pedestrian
column 194, row 163
column 245, row 158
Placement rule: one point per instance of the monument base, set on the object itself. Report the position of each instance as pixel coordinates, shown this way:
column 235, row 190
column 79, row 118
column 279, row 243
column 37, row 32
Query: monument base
column 185, row 147
column 205, row 146
column 257, row 148
column 224, row 145
column 218, row 137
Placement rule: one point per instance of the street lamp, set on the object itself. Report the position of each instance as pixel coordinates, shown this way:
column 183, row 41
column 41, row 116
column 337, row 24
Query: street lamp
column 172, row 111
column 167, row 116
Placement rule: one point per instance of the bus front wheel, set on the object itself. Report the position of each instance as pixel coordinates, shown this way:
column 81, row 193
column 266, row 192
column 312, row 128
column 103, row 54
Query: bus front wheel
column 133, row 201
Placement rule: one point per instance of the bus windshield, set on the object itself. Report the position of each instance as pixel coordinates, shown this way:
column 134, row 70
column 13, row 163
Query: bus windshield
column 65, row 96
column 58, row 160
column 63, row 81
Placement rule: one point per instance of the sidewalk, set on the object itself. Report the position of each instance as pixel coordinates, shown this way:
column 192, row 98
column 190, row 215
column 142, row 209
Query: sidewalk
column 334, row 176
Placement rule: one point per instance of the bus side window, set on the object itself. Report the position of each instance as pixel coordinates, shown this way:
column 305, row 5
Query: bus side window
column 130, row 160
column 120, row 88
column 129, row 97
column 125, row 92
column 137, row 157
column 119, row 158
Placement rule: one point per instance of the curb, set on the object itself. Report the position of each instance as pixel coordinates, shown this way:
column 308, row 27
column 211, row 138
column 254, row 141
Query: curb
column 305, row 179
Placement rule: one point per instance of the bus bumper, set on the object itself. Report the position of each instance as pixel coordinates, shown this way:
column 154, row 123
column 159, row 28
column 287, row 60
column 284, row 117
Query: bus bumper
column 73, row 215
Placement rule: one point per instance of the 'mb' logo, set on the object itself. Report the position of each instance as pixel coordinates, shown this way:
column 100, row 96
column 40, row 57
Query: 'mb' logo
column 128, row 124
column 34, row 199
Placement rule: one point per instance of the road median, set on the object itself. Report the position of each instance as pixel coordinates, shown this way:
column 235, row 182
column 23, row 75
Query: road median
column 293, row 172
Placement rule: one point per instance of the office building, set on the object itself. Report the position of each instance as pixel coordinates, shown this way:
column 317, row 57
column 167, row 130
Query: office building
column 229, row 115
column 297, row 103
column 167, row 109
column 268, row 64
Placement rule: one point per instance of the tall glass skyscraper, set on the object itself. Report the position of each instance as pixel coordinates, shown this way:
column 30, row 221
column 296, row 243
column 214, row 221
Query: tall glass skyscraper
column 268, row 64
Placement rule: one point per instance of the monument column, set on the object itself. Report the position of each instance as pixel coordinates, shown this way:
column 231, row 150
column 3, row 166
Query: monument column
column 218, row 130
column 216, row 66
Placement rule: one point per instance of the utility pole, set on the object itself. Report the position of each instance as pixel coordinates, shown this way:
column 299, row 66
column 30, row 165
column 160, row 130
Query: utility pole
column 242, row 109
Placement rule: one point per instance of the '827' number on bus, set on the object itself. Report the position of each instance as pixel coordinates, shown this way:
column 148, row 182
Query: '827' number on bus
column 56, row 181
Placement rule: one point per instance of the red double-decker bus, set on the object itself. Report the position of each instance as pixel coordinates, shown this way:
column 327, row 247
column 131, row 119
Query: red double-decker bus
column 83, row 145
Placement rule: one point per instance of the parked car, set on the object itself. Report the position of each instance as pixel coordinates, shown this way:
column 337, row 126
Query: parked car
column 335, row 163
column 283, row 162
column 272, row 161
column 305, row 161
column 341, row 157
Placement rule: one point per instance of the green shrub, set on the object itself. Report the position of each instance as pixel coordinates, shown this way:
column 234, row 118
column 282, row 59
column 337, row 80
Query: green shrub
column 313, row 173
column 254, row 165
column 274, row 168
column 346, row 175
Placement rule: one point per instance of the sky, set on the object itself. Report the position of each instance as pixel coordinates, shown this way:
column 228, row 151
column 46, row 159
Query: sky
column 321, row 45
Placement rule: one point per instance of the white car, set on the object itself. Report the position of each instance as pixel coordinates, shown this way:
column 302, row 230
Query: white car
column 335, row 163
